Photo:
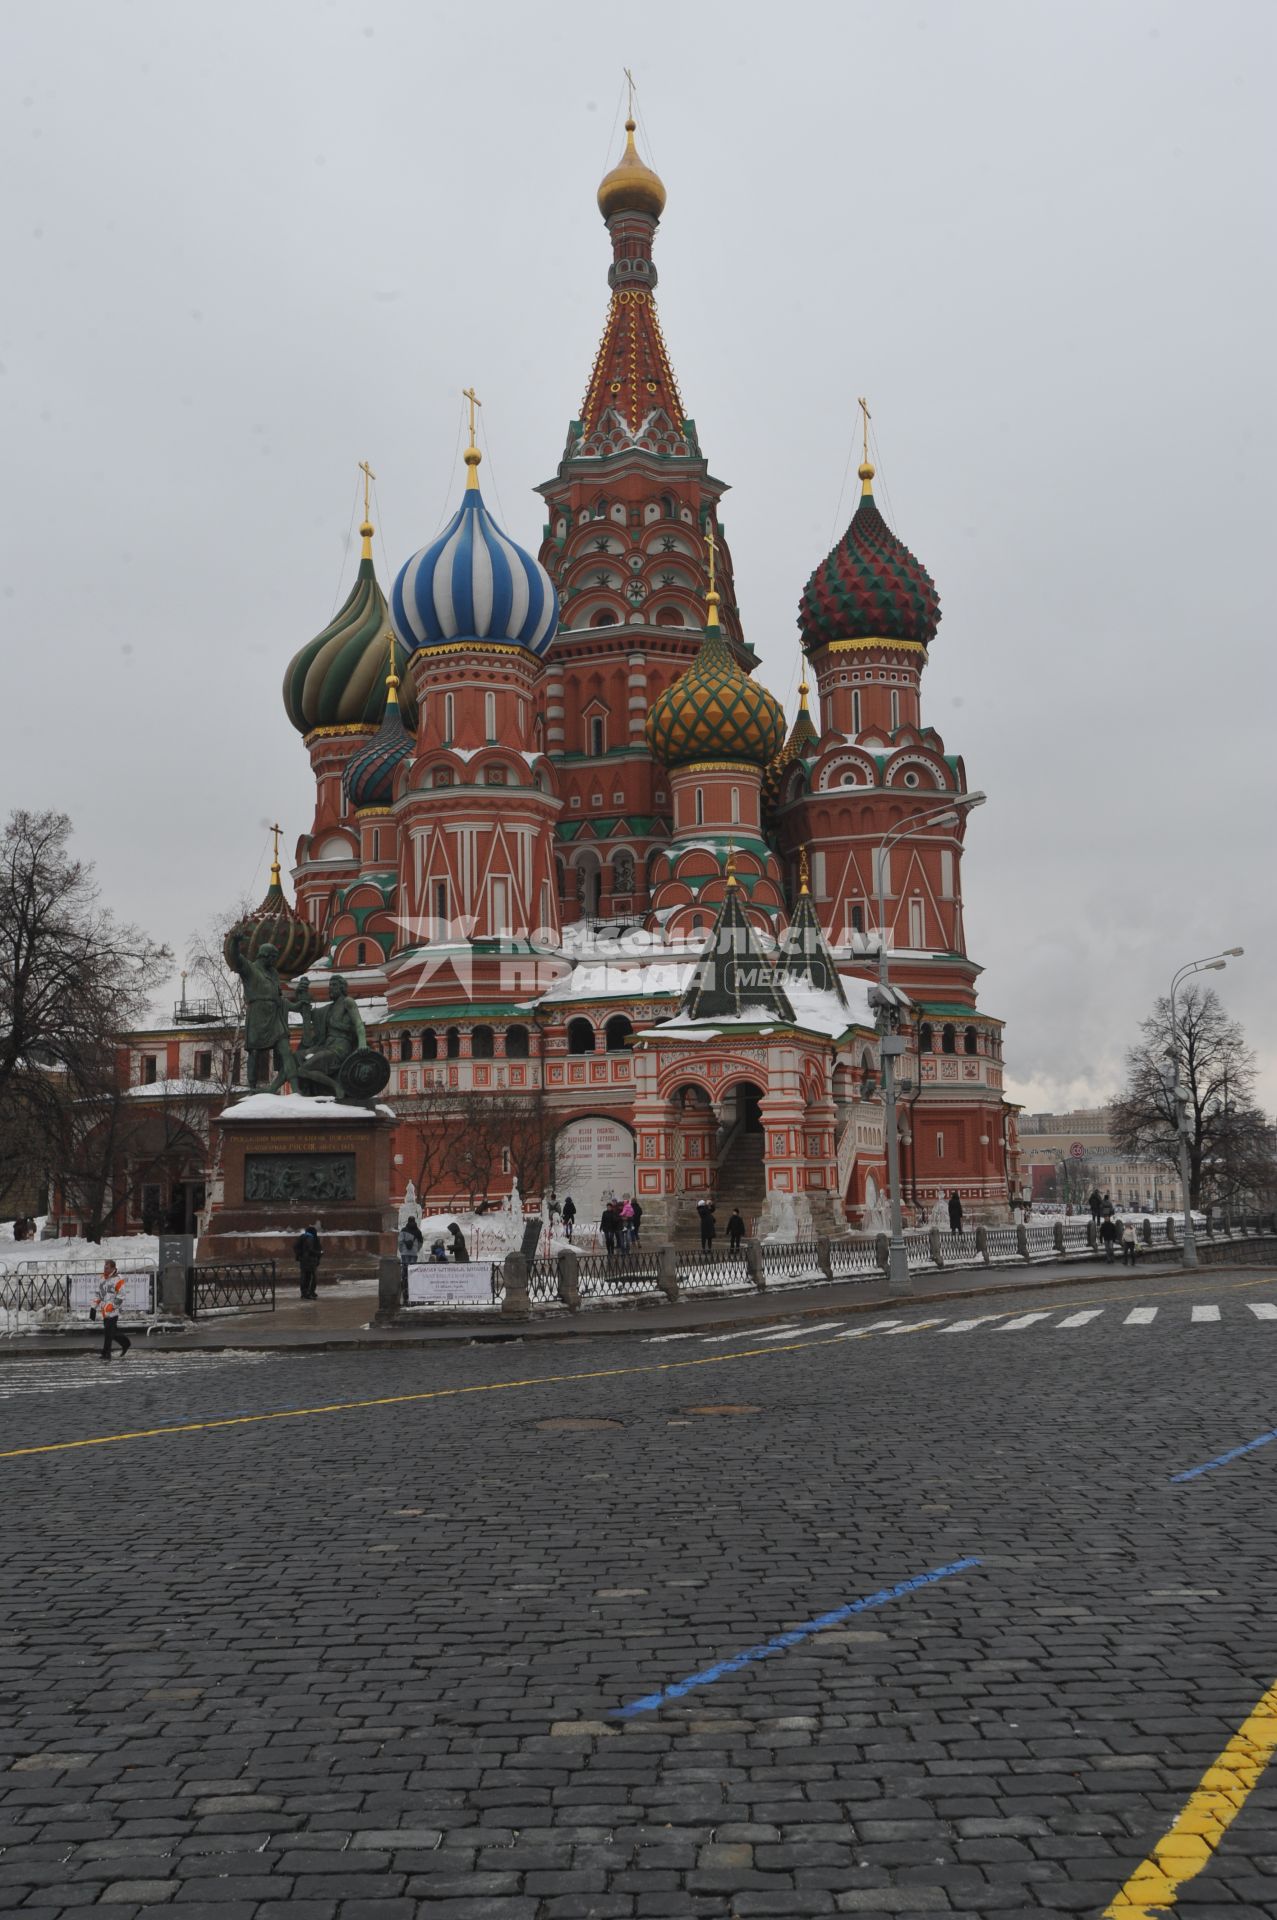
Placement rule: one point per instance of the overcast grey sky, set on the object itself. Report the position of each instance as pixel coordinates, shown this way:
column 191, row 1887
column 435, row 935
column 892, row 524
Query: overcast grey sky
column 246, row 246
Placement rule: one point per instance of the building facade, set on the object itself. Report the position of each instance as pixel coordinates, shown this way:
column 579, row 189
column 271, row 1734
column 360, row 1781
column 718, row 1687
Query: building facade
column 613, row 925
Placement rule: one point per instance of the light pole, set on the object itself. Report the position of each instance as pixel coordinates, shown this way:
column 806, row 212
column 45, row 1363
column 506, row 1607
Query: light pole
column 1179, row 1091
column 889, row 1003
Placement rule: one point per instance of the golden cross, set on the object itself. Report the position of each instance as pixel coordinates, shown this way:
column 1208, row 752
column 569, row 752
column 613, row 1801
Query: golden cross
column 274, row 863
column 369, row 477
column 392, row 677
column 803, row 875
column 711, row 544
column 468, row 393
column 863, row 404
column 629, row 81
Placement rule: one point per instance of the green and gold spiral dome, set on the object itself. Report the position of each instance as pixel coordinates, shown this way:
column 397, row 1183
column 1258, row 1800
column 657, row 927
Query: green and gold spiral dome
column 714, row 711
column 338, row 678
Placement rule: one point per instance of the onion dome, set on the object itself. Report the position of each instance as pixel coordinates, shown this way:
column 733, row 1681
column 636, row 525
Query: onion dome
column 713, row 711
column 631, row 186
column 474, row 584
column 369, row 777
column 336, row 680
column 870, row 587
column 803, row 740
column 297, row 944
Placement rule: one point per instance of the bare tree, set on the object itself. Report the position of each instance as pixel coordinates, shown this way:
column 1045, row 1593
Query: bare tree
column 1230, row 1139
column 72, row 977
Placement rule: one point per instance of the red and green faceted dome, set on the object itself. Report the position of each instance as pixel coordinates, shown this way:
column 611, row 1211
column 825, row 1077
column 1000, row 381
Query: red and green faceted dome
column 713, row 711
column 275, row 923
column 870, row 587
column 802, row 742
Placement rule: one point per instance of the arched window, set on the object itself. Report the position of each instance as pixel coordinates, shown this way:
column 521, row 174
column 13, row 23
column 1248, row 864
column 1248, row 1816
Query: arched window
column 516, row 1043
column 405, row 1046
column 670, row 617
column 490, row 716
column 969, row 1040
column 449, row 714
column 452, row 1043
column 600, row 507
column 926, row 1038
column 361, row 953
column 700, row 806
column 949, row 1040
column 603, row 618
column 596, row 736
column 617, row 1033
column 580, row 1036
column 857, row 919
column 482, row 1043
column 430, row 1044
column 735, row 805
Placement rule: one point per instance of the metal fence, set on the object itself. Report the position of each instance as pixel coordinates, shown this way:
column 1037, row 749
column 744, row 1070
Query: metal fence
column 239, row 1287
column 700, row 1270
column 606, row 1275
column 791, row 1260
column 1003, row 1243
column 854, row 1258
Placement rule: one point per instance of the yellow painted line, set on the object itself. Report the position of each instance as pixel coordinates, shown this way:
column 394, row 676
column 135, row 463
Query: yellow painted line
column 1192, row 1282
column 406, row 1399
column 1210, row 1810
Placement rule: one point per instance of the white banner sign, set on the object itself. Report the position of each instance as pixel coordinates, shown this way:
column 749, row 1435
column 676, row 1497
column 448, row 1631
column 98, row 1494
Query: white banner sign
column 136, row 1297
column 463, row 1283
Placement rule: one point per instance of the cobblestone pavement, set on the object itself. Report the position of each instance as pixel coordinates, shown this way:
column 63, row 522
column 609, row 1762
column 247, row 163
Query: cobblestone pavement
column 366, row 1662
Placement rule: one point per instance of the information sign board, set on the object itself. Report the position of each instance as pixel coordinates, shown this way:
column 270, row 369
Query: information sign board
column 462, row 1283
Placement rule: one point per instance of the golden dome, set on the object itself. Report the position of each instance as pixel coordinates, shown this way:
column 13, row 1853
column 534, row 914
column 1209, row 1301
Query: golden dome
column 631, row 187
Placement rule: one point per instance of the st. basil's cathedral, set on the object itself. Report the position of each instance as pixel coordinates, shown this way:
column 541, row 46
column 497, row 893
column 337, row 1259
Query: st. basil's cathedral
column 567, row 858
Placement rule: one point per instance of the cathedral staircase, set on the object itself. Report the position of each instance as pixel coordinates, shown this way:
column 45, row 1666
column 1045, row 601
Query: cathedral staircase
column 740, row 1181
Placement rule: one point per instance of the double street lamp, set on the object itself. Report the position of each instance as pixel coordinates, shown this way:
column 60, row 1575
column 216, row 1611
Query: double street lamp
column 889, row 1004
column 1179, row 1091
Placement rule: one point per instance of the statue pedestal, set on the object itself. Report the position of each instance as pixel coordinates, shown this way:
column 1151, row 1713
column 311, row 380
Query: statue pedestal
column 289, row 1163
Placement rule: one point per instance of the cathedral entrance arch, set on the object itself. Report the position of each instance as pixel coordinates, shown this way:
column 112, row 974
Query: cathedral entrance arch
column 593, row 1159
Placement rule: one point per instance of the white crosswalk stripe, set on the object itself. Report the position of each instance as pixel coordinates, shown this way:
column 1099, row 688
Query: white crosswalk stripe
column 1041, row 1317
column 77, row 1372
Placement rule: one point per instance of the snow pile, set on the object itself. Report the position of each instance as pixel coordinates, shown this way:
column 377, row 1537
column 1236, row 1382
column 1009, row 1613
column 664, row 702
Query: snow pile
column 129, row 1252
column 297, row 1110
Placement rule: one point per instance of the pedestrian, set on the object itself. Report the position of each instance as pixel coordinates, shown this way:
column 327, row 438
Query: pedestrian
column 308, row 1252
column 1109, row 1231
column 107, row 1301
column 410, row 1240
column 627, row 1224
column 1106, row 1207
column 955, row 1212
column 1096, row 1204
column 609, row 1227
column 457, row 1242
column 735, row 1230
column 1128, row 1244
column 569, row 1214
column 554, row 1210
column 438, row 1248
column 636, row 1221
column 705, row 1208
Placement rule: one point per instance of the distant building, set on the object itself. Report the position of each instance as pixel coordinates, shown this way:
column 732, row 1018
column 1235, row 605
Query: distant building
column 1064, row 1156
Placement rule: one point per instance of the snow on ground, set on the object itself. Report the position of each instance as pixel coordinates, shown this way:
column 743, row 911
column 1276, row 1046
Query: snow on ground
column 128, row 1251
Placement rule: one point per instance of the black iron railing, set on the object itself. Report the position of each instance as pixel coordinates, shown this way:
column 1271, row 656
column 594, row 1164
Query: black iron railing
column 240, row 1287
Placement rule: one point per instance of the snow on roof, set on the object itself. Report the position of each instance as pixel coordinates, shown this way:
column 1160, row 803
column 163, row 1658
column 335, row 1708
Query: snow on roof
column 297, row 1110
column 179, row 1089
column 598, row 980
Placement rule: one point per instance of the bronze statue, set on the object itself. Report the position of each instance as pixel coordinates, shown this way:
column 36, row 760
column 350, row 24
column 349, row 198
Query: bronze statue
column 338, row 1031
column 265, row 1013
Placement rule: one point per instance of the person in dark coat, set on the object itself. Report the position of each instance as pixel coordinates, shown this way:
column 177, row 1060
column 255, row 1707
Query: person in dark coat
column 705, row 1208
column 1109, row 1234
column 457, row 1242
column 609, row 1226
column 955, row 1213
column 735, row 1230
column 569, row 1215
column 636, row 1222
column 1096, row 1204
column 308, row 1252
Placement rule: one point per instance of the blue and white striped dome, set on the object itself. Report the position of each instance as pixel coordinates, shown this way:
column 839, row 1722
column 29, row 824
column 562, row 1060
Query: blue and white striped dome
column 474, row 583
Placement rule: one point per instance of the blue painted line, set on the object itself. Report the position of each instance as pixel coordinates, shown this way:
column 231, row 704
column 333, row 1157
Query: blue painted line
column 784, row 1641
column 1222, row 1460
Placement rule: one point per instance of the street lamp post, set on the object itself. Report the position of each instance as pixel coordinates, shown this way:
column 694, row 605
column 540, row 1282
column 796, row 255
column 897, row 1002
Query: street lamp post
column 1179, row 1090
column 891, row 1045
